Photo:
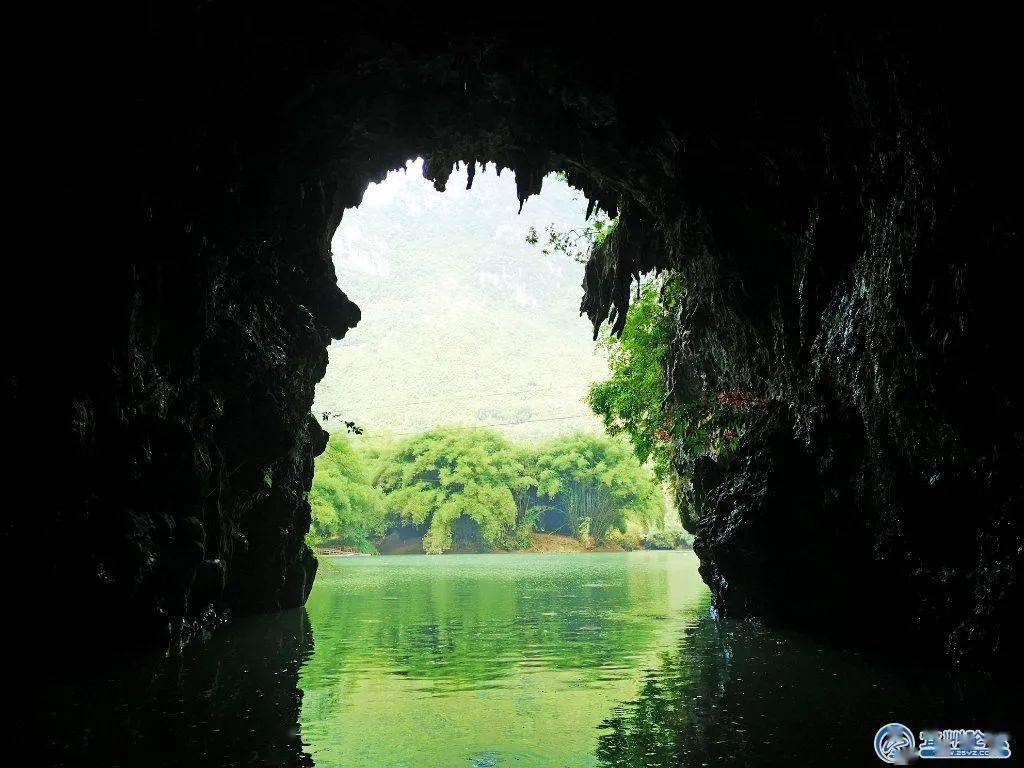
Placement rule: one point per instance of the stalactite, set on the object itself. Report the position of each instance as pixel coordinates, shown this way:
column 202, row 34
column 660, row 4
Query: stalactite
column 825, row 190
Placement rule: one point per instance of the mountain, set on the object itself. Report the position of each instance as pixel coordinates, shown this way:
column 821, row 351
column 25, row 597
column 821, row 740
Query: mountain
column 464, row 323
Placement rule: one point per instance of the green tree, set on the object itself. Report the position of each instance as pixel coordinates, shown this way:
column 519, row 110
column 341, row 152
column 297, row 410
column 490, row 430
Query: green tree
column 596, row 484
column 448, row 478
column 668, row 429
column 632, row 400
column 346, row 508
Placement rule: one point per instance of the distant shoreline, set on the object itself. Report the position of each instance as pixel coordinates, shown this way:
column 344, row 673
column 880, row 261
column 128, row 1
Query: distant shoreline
column 543, row 543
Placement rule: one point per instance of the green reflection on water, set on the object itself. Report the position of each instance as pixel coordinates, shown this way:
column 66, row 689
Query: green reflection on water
column 485, row 660
column 499, row 661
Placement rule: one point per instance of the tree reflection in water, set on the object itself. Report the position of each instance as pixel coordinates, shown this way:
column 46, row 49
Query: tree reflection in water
column 506, row 662
column 737, row 694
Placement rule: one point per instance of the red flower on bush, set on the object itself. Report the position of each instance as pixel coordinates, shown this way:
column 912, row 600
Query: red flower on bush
column 738, row 400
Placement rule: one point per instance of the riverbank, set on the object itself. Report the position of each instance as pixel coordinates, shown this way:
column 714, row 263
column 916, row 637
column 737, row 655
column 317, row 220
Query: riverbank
column 556, row 542
column 540, row 543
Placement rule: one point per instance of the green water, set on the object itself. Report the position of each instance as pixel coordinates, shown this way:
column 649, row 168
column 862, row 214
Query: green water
column 485, row 659
column 504, row 661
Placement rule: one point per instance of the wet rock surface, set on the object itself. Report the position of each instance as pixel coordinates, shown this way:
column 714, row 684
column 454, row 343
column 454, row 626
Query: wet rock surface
column 835, row 192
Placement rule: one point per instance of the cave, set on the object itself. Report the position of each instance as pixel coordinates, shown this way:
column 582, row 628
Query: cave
column 838, row 192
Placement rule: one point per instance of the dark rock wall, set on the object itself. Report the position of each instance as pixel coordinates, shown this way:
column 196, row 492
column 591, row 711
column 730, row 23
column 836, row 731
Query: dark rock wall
column 887, row 470
column 834, row 191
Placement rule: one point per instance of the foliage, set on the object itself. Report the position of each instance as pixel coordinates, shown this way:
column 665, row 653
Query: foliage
column 631, row 539
column 574, row 243
column 631, row 401
column 668, row 430
column 346, row 508
column 445, row 477
column 597, row 484
column 666, row 538
column 713, row 426
column 472, row 487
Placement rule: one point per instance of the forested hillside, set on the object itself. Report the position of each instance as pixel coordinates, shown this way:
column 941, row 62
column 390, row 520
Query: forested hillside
column 463, row 322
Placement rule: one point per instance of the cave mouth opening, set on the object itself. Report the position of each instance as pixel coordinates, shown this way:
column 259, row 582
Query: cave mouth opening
column 471, row 340
column 828, row 187
column 463, row 320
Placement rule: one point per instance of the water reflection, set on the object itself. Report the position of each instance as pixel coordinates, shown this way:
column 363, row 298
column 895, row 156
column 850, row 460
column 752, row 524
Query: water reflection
column 562, row 661
column 230, row 701
column 484, row 660
column 735, row 694
column 604, row 660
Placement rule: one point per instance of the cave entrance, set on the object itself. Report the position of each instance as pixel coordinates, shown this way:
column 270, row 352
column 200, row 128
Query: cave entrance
column 463, row 321
column 464, row 450
column 470, row 330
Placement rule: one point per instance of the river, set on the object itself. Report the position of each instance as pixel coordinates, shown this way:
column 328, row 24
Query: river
column 494, row 661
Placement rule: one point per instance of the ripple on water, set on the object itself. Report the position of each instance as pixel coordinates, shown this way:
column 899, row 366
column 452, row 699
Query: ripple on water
column 508, row 658
column 440, row 662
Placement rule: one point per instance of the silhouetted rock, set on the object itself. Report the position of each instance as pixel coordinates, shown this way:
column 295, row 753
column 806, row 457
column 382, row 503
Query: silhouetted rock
column 840, row 196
